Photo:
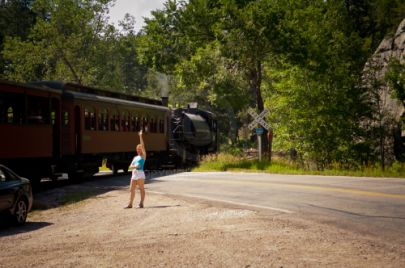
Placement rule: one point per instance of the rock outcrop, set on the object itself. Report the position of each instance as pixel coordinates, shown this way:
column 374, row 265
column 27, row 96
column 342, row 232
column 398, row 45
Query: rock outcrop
column 388, row 109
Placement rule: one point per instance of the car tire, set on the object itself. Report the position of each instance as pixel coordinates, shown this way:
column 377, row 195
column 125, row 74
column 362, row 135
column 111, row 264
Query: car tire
column 20, row 211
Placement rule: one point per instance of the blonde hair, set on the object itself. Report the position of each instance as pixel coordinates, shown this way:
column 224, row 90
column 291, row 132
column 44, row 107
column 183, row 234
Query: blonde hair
column 139, row 146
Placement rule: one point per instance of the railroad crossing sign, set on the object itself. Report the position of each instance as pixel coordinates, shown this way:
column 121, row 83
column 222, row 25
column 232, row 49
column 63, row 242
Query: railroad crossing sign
column 258, row 119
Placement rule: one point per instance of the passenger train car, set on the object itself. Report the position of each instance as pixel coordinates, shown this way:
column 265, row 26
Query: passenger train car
column 50, row 127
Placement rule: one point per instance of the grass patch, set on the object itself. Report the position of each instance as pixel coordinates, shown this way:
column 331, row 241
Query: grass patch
column 227, row 162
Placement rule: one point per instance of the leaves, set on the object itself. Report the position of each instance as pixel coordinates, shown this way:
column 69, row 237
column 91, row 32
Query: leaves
column 72, row 41
column 300, row 59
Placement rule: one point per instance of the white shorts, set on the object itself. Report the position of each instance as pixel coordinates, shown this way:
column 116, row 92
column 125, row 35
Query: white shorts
column 137, row 174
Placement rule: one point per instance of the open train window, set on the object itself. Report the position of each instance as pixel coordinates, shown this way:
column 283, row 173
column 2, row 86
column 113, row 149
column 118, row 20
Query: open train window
column 103, row 120
column 115, row 121
column 65, row 118
column 145, row 124
column 38, row 110
column 153, row 125
column 53, row 118
column 11, row 108
column 125, row 121
column 138, row 123
column 161, row 126
column 133, row 121
column 10, row 114
column 89, row 118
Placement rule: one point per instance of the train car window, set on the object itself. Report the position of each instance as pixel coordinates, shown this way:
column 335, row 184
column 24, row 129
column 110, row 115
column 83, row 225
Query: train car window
column 161, row 126
column 86, row 119
column 115, row 121
column 138, row 123
column 65, row 118
column 133, row 122
column 10, row 114
column 145, row 124
column 11, row 108
column 53, row 118
column 38, row 111
column 125, row 121
column 153, row 125
column 103, row 120
column 93, row 120
column 89, row 118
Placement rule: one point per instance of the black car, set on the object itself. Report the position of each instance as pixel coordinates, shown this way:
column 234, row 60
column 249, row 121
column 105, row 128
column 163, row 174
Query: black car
column 15, row 195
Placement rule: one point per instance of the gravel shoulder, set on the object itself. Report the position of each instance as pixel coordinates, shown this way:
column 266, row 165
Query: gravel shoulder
column 93, row 229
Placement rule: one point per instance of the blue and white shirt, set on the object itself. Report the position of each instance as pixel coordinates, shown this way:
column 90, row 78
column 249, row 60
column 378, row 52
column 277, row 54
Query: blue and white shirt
column 139, row 162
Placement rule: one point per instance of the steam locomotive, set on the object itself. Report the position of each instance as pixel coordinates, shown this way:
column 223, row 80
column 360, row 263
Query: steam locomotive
column 50, row 127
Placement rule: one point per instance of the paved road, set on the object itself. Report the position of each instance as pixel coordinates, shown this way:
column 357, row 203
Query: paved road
column 371, row 206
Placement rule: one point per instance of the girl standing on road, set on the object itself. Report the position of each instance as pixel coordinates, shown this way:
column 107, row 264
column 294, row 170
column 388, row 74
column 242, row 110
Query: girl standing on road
column 138, row 175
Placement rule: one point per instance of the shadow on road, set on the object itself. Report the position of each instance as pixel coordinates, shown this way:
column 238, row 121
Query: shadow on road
column 50, row 194
column 7, row 227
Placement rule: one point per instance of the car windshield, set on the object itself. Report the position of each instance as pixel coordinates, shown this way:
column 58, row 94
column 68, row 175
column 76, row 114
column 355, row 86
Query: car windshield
column 2, row 176
column 7, row 175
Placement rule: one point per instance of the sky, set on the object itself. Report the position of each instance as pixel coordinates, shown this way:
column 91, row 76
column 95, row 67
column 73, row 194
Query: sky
column 136, row 8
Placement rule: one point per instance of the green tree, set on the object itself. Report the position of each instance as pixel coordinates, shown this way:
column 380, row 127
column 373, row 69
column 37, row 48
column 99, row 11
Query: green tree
column 301, row 59
column 66, row 37
column 16, row 20
column 239, row 31
column 161, row 44
column 317, row 108
column 207, row 79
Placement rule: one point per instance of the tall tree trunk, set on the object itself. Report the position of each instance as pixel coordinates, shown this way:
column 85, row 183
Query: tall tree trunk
column 382, row 147
column 255, row 80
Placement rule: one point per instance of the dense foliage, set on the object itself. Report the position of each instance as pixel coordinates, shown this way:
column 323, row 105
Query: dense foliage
column 72, row 41
column 301, row 59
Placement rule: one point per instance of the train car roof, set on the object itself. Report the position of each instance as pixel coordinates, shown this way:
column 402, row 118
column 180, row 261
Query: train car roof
column 29, row 86
column 95, row 91
column 75, row 91
column 92, row 97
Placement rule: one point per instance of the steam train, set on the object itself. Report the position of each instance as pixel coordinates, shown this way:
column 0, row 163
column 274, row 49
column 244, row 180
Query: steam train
column 49, row 127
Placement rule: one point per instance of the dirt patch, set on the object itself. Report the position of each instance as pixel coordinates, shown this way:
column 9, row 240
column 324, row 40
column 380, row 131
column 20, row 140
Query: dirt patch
column 95, row 230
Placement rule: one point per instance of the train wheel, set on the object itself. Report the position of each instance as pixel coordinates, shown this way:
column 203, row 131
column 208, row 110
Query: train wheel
column 125, row 170
column 114, row 169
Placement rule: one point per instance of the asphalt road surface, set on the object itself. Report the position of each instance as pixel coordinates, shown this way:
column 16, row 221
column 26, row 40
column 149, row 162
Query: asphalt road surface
column 372, row 206
column 270, row 221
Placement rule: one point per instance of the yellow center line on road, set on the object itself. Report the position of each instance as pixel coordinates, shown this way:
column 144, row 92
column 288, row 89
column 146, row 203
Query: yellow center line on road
column 302, row 186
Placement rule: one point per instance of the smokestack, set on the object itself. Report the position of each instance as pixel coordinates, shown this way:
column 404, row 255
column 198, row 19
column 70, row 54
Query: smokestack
column 163, row 83
column 165, row 101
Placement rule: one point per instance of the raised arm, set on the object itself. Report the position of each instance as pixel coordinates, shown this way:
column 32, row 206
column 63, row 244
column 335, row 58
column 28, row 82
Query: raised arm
column 142, row 143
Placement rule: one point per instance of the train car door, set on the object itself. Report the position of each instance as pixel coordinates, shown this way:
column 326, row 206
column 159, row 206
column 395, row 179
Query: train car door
column 78, row 138
column 56, row 127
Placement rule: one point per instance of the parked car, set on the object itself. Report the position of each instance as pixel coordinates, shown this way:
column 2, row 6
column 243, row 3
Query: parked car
column 15, row 195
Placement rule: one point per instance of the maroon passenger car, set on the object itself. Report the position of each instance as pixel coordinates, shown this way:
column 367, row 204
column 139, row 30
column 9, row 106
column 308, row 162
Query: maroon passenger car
column 49, row 128
column 29, row 128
